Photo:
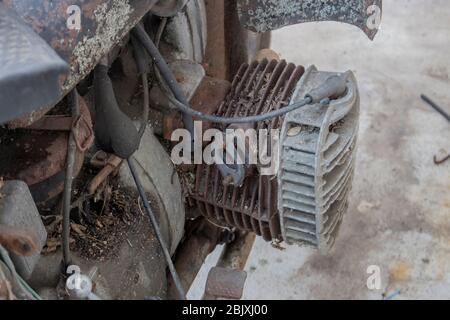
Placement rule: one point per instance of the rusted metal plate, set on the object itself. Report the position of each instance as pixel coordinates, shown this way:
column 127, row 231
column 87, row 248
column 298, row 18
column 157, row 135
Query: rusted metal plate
column 41, row 153
column 103, row 24
column 37, row 155
column 223, row 283
column 266, row 15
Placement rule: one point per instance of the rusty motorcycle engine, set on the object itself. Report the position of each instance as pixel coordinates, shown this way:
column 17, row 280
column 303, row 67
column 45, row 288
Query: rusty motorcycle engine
column 303, row 203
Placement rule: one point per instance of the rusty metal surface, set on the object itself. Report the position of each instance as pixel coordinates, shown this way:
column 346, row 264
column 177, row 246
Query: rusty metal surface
column 81, row 126
column 236, row 253
column 207, row 98
column 223, row 283
column 229, row 44
column 200, row 240
column 111, row 165
column 258, row 87
column 216, row 54
column 103, row 24
column 19, row 241
column 28, row 118
column 265, row 15
column 37, row 155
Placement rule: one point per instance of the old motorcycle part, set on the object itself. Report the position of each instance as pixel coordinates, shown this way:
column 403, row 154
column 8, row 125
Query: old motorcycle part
column 200, row 239
column 140, row 33
column 305, row 201
column 155, row 224
column 180, row 101
column 114, row 131
column 160, row 180
column 252, row 207
column 30, row 71
column 265, row 15
column 184, row 36
column 39, row 152
column 225, row 283
column 237, row 252
column 117, row 134
column 229, row 44
column 207, row 98
column 18, row 210
column 70, row 165
column 104, row 24
column 317, row 164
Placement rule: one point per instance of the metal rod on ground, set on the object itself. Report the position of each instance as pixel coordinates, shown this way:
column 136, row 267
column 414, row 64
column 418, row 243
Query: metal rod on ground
column 152, row 217
column 75, row 110
column 436, row 107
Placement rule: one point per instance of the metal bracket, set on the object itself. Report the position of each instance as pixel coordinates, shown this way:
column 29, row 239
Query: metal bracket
column 267, row 15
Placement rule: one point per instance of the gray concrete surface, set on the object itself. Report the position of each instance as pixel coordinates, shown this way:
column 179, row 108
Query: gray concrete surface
column 399, row 215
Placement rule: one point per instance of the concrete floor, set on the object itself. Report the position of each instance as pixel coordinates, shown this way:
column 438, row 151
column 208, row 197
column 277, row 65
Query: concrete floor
column 399, row 214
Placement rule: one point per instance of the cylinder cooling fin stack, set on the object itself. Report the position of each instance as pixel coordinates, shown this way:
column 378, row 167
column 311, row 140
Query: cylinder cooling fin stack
column 305, row 201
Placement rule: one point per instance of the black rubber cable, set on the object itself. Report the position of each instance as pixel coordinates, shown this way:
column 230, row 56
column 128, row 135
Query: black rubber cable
column 154, row 222
column 143, row 69
column 75, row 110
column 166, row 73
column 180, row 101
column 142, row 66
column 146, row 104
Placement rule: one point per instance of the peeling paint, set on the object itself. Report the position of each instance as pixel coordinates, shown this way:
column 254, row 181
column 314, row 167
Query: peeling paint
column 266, row 15
column 111, row 19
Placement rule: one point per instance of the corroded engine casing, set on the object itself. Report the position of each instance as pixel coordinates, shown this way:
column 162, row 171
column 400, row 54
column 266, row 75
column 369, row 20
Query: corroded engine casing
column 304, row 202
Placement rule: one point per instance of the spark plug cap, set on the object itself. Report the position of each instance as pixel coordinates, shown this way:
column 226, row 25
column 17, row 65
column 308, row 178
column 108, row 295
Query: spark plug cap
column 333, row 88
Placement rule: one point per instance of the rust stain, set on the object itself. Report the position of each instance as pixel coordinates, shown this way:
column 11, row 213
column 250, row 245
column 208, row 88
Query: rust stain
column 399, row 271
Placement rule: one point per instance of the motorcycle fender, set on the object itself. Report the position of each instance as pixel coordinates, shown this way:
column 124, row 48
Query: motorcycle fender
column 267, row 15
